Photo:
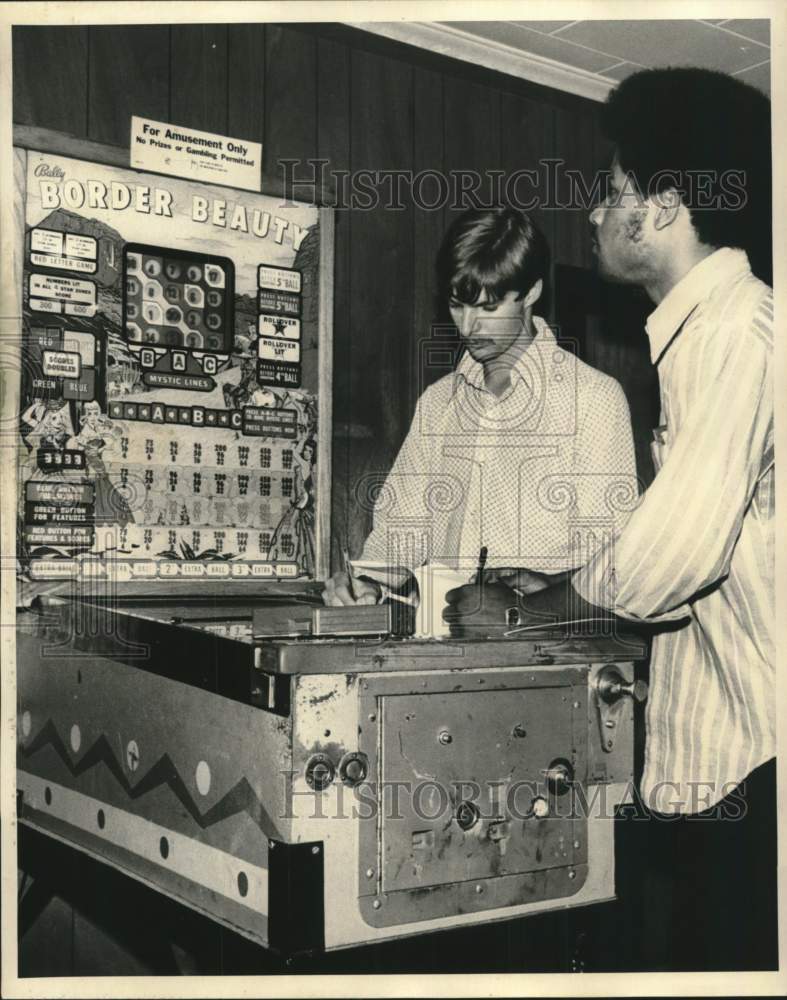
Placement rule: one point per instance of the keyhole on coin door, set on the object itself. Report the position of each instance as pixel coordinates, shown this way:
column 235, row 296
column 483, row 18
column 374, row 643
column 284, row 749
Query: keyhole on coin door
column 466, row 815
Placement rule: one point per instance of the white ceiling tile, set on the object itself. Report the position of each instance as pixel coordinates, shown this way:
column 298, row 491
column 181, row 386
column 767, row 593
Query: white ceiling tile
column 759, row 31
column 667, row 43
column 759, row 77
column 510, row 33
column 545, row 27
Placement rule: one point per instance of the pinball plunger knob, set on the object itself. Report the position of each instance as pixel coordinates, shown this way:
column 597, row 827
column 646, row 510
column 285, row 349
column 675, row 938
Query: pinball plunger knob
column 611, row 686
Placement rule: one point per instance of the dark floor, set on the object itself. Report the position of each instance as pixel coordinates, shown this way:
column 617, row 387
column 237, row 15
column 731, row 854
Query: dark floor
column 102, row 923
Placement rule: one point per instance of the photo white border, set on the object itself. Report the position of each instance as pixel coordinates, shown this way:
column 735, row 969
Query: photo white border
column 358, row 11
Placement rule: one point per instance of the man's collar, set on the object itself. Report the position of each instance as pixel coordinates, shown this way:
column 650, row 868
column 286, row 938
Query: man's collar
column 472, row 372
column 694, row 287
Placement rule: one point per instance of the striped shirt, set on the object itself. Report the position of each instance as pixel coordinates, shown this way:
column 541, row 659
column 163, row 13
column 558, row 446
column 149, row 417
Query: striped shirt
column 515, row 473
column 699, row 549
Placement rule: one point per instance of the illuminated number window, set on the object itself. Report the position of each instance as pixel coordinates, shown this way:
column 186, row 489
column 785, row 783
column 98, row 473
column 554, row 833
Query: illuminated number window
column 265, row 458
column 196, row 482
column 220, row 479
column 243, row 455
column 219, row 540
column 162, row 284
column 286, row 487
column 195, row 540
column 286, row 544
column 265, row 486
column 243, row 538
column 197, row 454
column 243, row 485
column 173, row 481
column 172, row 538
column 221, row 450
column 286, row 459
column 265, row 541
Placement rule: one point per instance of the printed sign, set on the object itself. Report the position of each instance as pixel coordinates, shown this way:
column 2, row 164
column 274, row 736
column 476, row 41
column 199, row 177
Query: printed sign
column 199, row 156
column 279, row 279
column 279, row 303
column 64, row 251
column 279, row 326
column 263, row 421
column 51, row 293
column 278, row 373
column 61, row 363
column 275, row 349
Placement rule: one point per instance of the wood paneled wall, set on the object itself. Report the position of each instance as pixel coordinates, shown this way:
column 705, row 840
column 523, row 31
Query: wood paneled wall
column 360, row 103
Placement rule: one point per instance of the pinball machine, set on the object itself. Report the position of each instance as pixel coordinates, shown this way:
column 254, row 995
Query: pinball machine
column 310, row 789
column 321, row 792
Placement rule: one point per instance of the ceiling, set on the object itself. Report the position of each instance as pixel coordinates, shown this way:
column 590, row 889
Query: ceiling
column 590, row 57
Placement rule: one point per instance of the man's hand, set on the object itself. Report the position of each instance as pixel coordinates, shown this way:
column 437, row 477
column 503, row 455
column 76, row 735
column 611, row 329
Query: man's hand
column 479, row 611
column 475, row 611
column 337, row 590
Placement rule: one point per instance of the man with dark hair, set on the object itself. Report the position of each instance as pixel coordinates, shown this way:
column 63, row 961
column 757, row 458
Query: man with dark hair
column 706, row 136
column 492, row 442
column 697, row 553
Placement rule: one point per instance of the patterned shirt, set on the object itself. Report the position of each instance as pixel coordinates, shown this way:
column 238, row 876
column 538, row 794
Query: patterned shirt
column 699, row 549
column 516, row 474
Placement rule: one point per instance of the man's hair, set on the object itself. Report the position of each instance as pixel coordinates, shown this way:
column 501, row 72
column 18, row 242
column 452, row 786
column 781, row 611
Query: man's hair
column 496, row 250
column 668, row 122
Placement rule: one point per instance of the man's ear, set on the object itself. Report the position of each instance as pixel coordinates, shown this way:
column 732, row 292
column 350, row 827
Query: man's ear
column 668, row 206
column 534, row 294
